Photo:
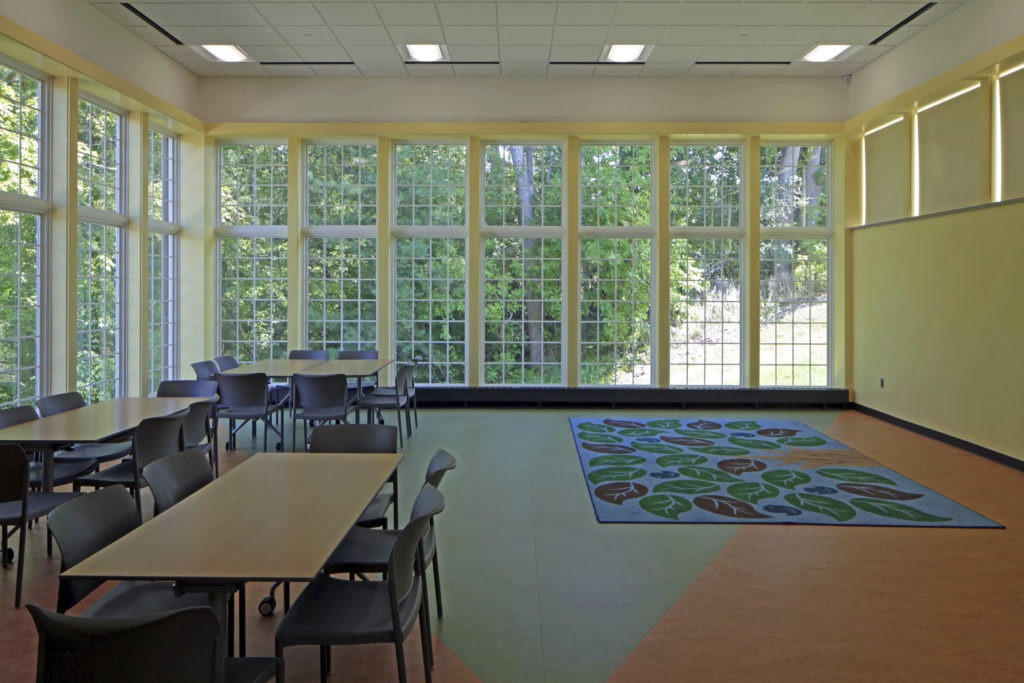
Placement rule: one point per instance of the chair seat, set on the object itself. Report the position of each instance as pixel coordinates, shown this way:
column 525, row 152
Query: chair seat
column 376, row 513
column 103, row 452
column 247, row 412
column 333, row 611
column 367, row 550
column 121, row 473
column 39, row 505
column 250, row 669
column 64, row 472
column 324, row 413
column 137, row 598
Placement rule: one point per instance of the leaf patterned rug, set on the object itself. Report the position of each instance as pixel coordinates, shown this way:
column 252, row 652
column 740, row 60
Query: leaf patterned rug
column 747, row 471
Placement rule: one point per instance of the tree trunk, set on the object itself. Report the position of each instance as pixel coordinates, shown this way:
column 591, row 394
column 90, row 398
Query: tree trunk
column 533, row 305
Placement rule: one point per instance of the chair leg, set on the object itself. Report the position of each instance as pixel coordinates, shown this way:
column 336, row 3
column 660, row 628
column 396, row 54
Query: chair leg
column 400, row 657
column 428, row 646
column 279, row 655
column 437, row 586
column 325, row 658
column 21, row 564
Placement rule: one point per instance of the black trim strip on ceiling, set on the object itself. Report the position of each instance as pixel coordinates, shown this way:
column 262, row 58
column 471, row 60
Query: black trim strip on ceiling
column 307, row 63
column 137, row 12
column 729, row 63
column 903, row 23
column 596, row 63
column 412, row 61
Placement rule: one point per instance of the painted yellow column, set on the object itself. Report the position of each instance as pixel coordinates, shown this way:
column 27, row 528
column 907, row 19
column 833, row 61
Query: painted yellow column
column 385, row 270
column 845, row 154
column 296, row 296
column 752, row 266
column 136, row 266
column 197, row 249
column 62, row 270
column 661, row 351
column 571, row 257
column 474, row 267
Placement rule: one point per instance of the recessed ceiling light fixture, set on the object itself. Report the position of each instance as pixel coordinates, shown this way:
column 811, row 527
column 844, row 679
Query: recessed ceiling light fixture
column 622, row 54
column 223, row 53
column 824, row 53
column 426, row 53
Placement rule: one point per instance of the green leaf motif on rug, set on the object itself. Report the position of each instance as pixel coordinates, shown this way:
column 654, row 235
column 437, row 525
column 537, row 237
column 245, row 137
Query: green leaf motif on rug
column 665, row 505
column 686, row 487
column 617, row 460
column 753, row 491
column 615, row 474
column 787, row 479
column 857, row 476
column 706, row 474
column 696, row 433
column 803, row 441
column 639, row 431
column 836, row 509
column 664, row 424
column 755, row 444
column 594, row 437
column 887, row 508
column 594, row 427
column 659, row 448
column 681, row 459
column 721, row 450
column 743, row 426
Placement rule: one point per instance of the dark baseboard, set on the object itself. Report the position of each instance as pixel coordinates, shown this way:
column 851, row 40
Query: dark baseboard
column 539, row 397
column 988, row 453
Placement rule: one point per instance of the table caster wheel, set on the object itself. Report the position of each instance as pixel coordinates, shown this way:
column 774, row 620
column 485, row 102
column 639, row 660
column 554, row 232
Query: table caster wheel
column 267, row 606
column 9, row 556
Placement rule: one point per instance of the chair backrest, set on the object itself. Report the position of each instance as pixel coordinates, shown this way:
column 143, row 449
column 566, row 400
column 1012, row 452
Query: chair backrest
column 226, row 362
column 177, row 476
column 181, row 646
column 199, row 414
column 403, row 565
column 439, row 465
column 156, row 437
column 354, row 438
column 187, row 387
column 349, row 354
column 82, row 526
column 249, row 389
column 205, row 369
column 59, row 403
column 17, row 415
column 13, row 474
column 404, row 379
column 311, row 354
column 319, row 391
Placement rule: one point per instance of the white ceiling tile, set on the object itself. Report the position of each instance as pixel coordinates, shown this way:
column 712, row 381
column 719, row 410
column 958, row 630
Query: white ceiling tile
column 675, row 53
column 362, row 35
column 411, row 35
column 468, row 13
column 727, row 53
column 409, row 13
column 271, row 53
column 743, row 35
column 570, row 70
column 119, row 13
column 711, row 70
column 183, row 54
column 648, row 14
column 525, row 35
column 618, row 69
column 576, row 53
column 198, row 35
column 524, row 53
column 852, row 35
column 477, row 69
column 473, row 53
column 666, row 69
column 322, row 53
column 308, row 35
column 527, row 13
column 373, row 53
column 524, row 69
column 715, row 13
column 579, row 35
column 151, row 35
column 759, row 70
column 336, row 70
column 204, row 69
column 470, row 35
column 886, row 14
column 804, row 69
column 349, row 13
column 901, row 35
column 690, row 35
column 584, row 13
column 777, row 53
column 375, row 69
column 798, row 35
column 253, row 35
column 242, row 69
column 634, row 35
column 295, row 70
column 231, row 14
column 290, row 13
column 167, row 14
column 434, row 70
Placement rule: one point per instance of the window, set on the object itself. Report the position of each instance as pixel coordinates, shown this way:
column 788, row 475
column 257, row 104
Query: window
column 523, row 265
column 430, row 264
column 795, row 186
column 20, row 132
column 20, row 288
column 704, row 186
column 99, row 311
column 886, row 173
column 615, row 272
column 100, row 133
column 253, row 275
column 163, row 177
column 341, row 185
column 341, row 293
column 163, row 308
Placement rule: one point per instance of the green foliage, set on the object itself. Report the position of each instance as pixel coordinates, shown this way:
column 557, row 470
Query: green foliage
column 19, row 132
column 99, row 157
column 254, row 184
column 795, row 186
column 430, row 185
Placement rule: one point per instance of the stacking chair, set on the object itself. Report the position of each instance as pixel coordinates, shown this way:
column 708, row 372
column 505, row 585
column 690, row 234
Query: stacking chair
column 155, row 437
column 177, row 476
column 366, row 550
column 311, row 354
column 356, row 354
column 226, row 362
column 18, row 506
column 101, row 452
column 332, row 611
column 180, row 646
column 201, row 421
column 65, row 468
column 410, row 390
column 281, row 392
column 398, row 399
column 245, row 398
column 93, row 521
column 318, row 399
column 205, row 369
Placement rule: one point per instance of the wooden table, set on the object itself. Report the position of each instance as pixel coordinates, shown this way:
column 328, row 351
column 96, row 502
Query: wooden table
column 93, row 423
column 275, row 367
column 277, row 516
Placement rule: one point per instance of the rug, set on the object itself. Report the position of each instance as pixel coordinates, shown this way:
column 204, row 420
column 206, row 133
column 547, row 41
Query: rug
column 747, row 471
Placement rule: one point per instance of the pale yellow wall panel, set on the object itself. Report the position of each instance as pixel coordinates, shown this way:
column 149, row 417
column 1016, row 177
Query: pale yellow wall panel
column 948, row 139
column 937, row 314
column 885, row 174
column 1011, row 95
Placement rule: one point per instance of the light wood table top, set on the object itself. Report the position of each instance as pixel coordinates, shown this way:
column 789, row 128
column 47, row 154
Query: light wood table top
column 95, row 422
column 276, row 516
column 276, row 367
column 352, row 367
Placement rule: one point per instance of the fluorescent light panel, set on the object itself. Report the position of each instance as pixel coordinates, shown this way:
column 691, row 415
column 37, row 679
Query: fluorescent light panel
column 824, row 53
column 425, row 53
column 624, row 53
column 226, row 53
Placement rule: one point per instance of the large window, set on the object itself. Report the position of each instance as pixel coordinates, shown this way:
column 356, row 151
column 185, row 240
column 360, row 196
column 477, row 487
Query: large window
column 795, row 186
column 99, row 311
column 430, row 263
column 163, row 177
column 253, row 275
column 523, row 264
column 20, row 132
column 100, row 172
column 163, row 308
column 615, row 272
column 341, row 182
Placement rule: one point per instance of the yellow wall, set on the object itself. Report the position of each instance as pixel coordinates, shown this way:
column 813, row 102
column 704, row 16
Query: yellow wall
column 937, row 312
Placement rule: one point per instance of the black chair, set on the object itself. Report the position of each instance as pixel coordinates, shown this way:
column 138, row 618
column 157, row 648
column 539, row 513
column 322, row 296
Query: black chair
column 177, row 476
column 410, row 391
column 18, row 506
column 65, row 468
column 155, row 437
column 201, row 421
column 101, row 452
column 398, row 398
column 318, row 399
column 366, row 550
column 205, row 369
column 180, row 646
column 244, row 398
column 331, row 611
column 226, row 362
column 356, row 385
column 309, row 354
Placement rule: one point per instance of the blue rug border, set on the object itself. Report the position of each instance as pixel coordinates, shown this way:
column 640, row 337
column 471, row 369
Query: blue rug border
column 995, row 525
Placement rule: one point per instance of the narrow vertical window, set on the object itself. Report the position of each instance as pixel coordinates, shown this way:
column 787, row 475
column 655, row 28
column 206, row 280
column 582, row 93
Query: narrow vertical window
column 20, row 132
column 163, row 308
